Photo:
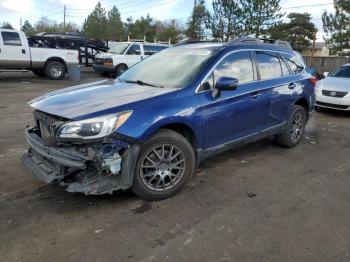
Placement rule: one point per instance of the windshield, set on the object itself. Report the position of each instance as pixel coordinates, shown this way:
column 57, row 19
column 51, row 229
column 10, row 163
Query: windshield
column 343, row 71
column 173, row 67
column 118, row 48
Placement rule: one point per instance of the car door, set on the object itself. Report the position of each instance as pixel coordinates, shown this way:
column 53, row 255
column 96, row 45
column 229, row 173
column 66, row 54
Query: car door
column 134, row 54
column 235, row 114
column 15, row 50
column 277, row 81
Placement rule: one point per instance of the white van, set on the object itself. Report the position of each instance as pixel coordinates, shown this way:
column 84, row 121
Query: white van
column 123, row 55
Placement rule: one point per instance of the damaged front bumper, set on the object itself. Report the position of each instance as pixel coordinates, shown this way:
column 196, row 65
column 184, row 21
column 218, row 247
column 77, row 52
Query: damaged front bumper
column 101, row 167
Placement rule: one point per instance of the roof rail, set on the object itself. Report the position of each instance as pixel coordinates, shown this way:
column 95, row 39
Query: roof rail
column 250, row 40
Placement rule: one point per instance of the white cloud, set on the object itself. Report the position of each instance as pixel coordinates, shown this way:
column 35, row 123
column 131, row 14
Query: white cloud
column 18, row 6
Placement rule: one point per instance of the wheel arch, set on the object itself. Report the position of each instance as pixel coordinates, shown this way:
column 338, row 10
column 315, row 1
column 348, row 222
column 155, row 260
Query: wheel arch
column 58, row 59
column 181, row 127
column 305, row 104
column 124, row 64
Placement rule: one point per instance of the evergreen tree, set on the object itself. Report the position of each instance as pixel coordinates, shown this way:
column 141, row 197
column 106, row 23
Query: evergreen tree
column 196, row 24
column 337, row 26
column 6, row 25
column 260, row 15
column 115, row 24
column 226, row 20
column 168, row 31
column 96, row 24
column 129, row 26
column 28, row 29
column 299, row 31
column 144, row 28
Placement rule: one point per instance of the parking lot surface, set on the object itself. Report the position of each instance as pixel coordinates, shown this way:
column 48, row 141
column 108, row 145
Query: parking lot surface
column 259, row 202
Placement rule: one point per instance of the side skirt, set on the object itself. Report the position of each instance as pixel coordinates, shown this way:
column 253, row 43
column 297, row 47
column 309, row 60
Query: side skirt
column 204, row 154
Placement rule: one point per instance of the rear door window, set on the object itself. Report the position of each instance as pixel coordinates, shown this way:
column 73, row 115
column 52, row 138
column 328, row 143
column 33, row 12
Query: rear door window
column 268, row 64
column 11, row 38
column 294, row 64
column 152, row 49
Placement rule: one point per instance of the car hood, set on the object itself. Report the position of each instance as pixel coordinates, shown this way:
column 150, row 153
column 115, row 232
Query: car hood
column 98, row 98
column 334, row 83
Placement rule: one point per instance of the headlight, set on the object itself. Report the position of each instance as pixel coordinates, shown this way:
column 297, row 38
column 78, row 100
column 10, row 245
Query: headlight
column 94, row 127
column 108, row 62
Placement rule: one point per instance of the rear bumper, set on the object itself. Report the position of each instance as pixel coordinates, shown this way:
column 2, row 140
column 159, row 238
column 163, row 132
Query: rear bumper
column 104, row 69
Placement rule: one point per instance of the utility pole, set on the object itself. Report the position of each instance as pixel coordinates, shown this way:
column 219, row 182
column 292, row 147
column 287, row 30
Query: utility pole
column 20, row 23
column 64, row 18
column 195, row 3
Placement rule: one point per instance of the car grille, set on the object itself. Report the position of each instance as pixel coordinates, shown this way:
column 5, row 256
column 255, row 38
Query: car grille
column 337, row 94
column 332, row 105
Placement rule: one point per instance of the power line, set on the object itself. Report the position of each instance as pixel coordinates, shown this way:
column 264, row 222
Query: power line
column 121, row 6
column 130, row 11
column 302, row 6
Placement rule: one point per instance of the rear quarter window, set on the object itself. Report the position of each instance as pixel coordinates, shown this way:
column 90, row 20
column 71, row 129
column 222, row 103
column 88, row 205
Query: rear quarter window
column 294, row 64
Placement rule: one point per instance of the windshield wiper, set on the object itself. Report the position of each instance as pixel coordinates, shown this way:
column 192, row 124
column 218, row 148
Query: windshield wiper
column 142, row 83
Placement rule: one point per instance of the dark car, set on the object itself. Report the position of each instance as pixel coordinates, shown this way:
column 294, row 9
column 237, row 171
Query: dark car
column 151, row 127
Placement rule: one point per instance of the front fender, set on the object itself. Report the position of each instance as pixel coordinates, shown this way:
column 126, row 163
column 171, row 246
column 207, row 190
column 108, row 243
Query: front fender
column 147, row 120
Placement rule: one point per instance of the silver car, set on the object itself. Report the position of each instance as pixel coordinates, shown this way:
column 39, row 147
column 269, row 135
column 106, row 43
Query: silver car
column 334, row 91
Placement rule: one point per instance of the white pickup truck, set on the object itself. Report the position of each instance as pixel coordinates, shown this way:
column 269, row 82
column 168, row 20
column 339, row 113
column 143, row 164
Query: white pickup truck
column 17, row 55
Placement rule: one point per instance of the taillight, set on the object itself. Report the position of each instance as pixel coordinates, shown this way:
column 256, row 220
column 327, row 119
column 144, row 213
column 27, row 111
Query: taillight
column 313, row 81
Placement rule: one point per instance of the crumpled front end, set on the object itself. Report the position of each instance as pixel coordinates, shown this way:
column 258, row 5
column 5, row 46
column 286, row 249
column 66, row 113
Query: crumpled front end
column 93, row 168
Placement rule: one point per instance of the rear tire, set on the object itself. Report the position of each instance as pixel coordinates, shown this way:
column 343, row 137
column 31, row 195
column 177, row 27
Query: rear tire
column 295, row 128
column 39, row 72
column 120, row 69
column 55, row 70
column 164, row 164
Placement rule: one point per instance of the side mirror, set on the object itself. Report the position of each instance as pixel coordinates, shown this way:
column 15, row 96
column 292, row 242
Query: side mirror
column 326, row 74
column 225, row 84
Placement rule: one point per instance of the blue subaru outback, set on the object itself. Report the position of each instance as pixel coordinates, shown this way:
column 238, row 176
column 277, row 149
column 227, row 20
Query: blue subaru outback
column 151, row 127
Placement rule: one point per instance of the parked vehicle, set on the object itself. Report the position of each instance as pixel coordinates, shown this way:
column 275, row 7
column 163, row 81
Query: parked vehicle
column 122, row 56
column 334, row 90
column 17, row 55
column 151, row 127
column 87, row 48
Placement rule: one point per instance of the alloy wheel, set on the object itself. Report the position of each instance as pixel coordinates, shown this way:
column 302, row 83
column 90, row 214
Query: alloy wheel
column 162, row 167
column 297, row 127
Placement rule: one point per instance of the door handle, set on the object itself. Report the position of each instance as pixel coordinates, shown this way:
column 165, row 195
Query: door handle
column 23, row 51
column 292, row 85
column 255, row 95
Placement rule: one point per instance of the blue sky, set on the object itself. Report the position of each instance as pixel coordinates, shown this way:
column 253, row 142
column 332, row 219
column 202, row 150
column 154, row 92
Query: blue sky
column 77, row 10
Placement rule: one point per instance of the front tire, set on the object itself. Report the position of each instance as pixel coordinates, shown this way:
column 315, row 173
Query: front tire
column 165, row 163
column 55, row 70
column 295, row 128
column 120, row 70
